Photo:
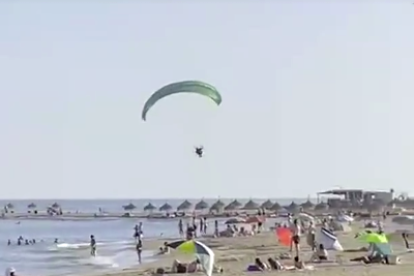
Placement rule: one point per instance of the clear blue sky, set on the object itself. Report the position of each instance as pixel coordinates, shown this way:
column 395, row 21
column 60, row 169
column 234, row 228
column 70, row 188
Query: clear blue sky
column 316, row 94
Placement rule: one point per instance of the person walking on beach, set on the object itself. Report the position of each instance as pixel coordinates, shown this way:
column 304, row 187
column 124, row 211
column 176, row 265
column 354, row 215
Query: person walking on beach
column 93, row 246
column 296, row 233
column 181, row 228
column 138, row 247
column 205, row 225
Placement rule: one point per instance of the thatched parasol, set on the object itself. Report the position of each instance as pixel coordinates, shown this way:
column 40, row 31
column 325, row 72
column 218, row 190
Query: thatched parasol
column 276, row 207
column 321, row 206
column 217, row 206
column 307, row 205
column 185, row 205
column 165, row 207
column 267, row 205
column 55, row 205
column 10, row 205
column 149, row 207
column 129, row 207
column 234, row 205
column 251, row 205
column 31, row 206
column 292, row 207
column 201, row 205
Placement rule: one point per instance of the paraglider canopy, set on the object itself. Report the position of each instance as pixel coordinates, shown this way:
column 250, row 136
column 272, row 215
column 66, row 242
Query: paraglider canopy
column 197, row 87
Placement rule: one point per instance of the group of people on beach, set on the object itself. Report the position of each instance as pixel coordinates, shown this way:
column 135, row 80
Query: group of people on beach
column 194, row 229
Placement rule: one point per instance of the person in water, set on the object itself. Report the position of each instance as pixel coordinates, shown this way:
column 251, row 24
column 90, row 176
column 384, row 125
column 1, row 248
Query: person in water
column 93, row 246
column 199, row 151
column 138, row 247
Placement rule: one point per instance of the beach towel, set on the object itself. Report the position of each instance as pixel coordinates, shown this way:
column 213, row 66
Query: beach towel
column 328, row 240
column 284, row 236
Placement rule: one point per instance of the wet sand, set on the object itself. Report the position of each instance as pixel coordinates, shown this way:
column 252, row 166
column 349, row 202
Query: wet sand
column 235, row 254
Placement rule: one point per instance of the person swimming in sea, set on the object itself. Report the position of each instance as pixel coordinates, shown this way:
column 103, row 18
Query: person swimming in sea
column 93, row 246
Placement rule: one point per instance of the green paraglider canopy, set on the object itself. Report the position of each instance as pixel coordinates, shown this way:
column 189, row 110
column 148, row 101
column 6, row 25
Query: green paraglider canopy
column 197, row 87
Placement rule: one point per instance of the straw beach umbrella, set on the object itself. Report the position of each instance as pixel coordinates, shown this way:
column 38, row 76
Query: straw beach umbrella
column 185, row 205
column 31, row 206
column 276, row 207
column 307, row 205
column 292, row 207
column 267, row 205
column 201, row 205
column 55, row 205
column 321, row 206
column 10, row 205
column 234, row 205
column 217, row 206
column 165, row 207
column 129, row 207
column 251, row 205
column 149, row 207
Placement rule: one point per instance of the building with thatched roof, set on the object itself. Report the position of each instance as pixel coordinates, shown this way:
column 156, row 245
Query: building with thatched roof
column 307, row 205
column 184, row 206
column 201, row 205
column 128, row 207
column 165, row 207
column 251, row 205
column 267, row 205
column 149, row 207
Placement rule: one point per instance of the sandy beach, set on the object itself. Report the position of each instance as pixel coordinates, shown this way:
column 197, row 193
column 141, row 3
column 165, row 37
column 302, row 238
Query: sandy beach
column 235, row 254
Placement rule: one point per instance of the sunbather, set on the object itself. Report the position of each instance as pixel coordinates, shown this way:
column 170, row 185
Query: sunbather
column 298, row 264
column 275, row 264
column 260, row 265
column 178, row 267
column 321, row 254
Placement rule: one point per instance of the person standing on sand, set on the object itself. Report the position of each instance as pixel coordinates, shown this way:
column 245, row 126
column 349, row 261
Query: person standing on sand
column 205, row 225
column 216, row 228
column 296, row 233
column 180, row 228
column 201, row 222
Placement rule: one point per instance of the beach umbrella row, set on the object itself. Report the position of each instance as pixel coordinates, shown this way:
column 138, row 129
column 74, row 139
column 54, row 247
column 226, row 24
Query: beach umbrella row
column 32, row 205
column 217, row 206
column 232, row 206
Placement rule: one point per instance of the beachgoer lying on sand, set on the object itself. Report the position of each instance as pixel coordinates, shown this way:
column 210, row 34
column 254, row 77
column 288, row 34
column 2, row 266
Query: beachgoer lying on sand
column 194, row 266
column 298, row 264
column 178, row 267
column 260, row 265
column 320, row 255
column 275, row 264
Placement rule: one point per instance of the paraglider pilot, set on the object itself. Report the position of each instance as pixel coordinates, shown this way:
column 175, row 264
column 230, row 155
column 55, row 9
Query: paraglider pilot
column 199, row 151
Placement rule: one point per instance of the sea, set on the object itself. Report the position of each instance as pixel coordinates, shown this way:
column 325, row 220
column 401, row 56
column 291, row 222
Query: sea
column 72, row 254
